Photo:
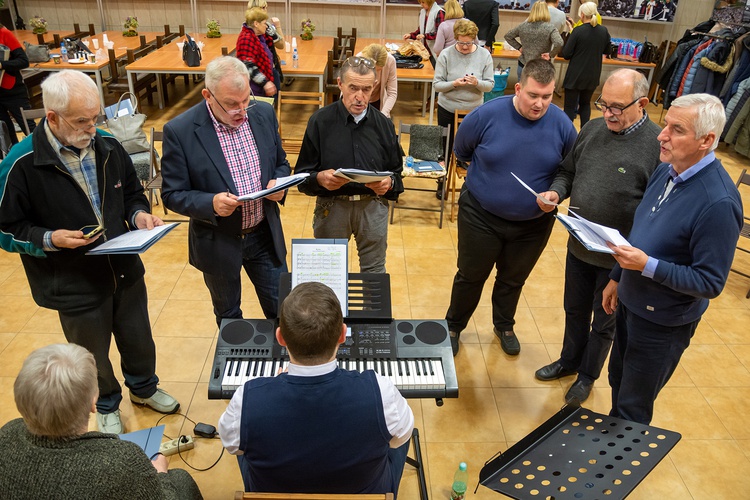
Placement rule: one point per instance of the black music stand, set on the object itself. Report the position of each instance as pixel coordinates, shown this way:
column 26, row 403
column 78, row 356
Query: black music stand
column 416, row 462
column 579, row 454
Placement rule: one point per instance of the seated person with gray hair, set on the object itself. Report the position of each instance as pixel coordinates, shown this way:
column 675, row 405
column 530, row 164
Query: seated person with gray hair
column 49, row 453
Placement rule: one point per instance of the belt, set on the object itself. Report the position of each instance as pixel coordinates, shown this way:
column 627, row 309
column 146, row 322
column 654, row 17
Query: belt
column 355, row 197
column 253, row 229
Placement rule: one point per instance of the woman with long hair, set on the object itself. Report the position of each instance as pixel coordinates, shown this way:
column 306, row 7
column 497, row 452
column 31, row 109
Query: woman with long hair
column 536, row 37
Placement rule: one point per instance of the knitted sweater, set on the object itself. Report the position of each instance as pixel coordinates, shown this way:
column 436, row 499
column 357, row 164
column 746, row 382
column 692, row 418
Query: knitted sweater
column 535, row 39
column 693, row 234
column 93, row 465
column 605, row 175
column 451, row 65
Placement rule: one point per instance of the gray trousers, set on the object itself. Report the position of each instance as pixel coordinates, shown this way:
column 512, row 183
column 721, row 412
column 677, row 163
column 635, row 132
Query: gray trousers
column 366, row 219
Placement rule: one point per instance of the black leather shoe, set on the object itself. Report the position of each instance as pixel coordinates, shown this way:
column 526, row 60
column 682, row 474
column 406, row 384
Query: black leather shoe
column 454, row 341
column 508, row 341
column 578, row 392
column 553, row 371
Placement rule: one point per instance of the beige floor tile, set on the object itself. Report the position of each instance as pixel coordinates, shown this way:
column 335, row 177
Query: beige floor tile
column 523, row 410
column 680, row 378
column 547, row 267
column 444, row 459
column 712, row 468
column 732, row 406
column 714, row 366
column 744, row 445
column 730, row 324
column 15, row 284
column 14, row 318
column 427, row 312
column 43, row 321
column 526, row 328
column 664, row 481
column 686, row 411
column 515, row 371
column 181, row 359
column 208, row 365
column 537, row 293
column 394, row 261
column 425, row 290
column 186, row 318
column 470, row 418
column 470, row 369
column 550, row 321
column 160, row 282
column 399, row 290
column 7, row 269
column 419, row 236
column 5, row 339
column 190, row 286
column 21, row 346
column 705, row 334
column 434, row 261
column 743, row 354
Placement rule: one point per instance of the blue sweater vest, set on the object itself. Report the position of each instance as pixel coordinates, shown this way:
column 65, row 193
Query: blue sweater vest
column 322, row 434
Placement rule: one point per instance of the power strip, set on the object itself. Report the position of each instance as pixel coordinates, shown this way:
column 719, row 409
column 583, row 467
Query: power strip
column 168, row 448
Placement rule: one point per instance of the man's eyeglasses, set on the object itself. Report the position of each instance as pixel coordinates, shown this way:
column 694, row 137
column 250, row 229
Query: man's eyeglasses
column 234, row 112
column 81, row 124
column 465, row 44
column 355, row 61
column 615, row 110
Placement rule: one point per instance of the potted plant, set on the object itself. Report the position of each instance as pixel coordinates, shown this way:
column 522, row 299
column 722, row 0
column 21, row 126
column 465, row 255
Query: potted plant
column 38, row 25
column 307, row 28
column 214, row 28
column 131, row 26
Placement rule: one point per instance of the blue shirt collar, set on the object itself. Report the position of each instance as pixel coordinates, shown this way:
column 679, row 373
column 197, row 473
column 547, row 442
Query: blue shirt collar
column 687, row 174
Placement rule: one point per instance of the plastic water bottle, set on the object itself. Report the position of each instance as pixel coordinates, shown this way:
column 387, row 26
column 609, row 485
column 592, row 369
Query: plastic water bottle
column 410, row 161
column 460, row 480
column 295, row 58
column 63, row 52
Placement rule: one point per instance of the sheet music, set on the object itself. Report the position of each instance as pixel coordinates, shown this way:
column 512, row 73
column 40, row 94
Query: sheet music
column 324, row 261
column 135, row 241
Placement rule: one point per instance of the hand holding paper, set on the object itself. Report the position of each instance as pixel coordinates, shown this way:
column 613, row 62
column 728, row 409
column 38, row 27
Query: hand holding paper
column 540, row 199
column 629, row 257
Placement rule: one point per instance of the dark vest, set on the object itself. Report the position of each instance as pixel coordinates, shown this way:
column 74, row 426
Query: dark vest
column 324, row 434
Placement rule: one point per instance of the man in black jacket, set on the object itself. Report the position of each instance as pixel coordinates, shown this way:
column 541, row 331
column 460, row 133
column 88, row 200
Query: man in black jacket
column 484, row 15
column 63, row 180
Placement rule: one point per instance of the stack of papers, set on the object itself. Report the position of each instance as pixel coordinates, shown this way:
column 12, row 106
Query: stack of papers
column 593, row 236
column 282, row 183
column 363, row 176
column 133, row 241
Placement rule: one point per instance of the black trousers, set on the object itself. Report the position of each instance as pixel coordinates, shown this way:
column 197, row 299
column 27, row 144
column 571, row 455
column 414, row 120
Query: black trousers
column 580, row 101
column 11, row 102
column 486, row 240
column 586, row 341
column 124, row 315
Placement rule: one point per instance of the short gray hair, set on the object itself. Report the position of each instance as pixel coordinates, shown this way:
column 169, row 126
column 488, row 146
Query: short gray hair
column 55, row 388
column 710, row 115
column 227, row 68
column 361, row 69
column 57, row 89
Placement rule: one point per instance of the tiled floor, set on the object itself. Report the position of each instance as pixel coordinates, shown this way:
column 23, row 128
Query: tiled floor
column 707, row 400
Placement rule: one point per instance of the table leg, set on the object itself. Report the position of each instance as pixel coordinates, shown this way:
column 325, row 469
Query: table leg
column 100, row 86
column 424, row 98
column 160, row 91
column 432, row 103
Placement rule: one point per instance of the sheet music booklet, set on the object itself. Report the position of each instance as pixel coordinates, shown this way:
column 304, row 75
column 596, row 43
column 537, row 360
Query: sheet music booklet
column 593, row 236
column 133, row 241
column 325, row 261
column 282, row 183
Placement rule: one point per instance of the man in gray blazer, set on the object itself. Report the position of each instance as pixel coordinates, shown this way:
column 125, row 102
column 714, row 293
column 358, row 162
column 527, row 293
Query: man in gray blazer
column 222, row 148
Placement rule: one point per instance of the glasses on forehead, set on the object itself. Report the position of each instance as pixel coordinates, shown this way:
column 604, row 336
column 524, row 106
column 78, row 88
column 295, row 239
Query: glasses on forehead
column 355, row 61
column 615, row 110
column 81, row 124
column 234, row 112
column 465, row 44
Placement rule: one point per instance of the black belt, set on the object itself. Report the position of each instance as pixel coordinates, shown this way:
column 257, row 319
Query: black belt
column 354, row 197
column 253, row 229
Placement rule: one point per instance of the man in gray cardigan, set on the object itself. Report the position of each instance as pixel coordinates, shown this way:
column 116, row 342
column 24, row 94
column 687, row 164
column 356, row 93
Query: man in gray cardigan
column 605, row 175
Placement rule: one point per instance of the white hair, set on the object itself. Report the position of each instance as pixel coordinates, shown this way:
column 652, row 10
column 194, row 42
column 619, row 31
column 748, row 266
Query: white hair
column 227, row 68
column 588, row 9
column 58, row 88
column 710, row 115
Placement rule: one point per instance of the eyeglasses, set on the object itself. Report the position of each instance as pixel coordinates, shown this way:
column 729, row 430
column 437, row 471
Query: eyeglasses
column 83, row 123
column 355, row 61
column 234, row 112
column 465, row 44
column 616, row 111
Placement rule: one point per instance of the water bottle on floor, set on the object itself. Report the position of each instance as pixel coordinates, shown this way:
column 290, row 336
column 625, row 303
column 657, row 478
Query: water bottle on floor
column 460, row 480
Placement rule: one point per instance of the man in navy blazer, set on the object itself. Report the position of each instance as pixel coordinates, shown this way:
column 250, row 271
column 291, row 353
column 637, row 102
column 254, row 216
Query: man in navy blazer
column 222, row 148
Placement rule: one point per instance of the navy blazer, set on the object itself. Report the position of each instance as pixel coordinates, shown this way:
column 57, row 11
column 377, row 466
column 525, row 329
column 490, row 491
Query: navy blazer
column 194, row 169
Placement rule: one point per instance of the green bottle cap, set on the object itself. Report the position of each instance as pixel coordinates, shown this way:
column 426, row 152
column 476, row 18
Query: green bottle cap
column 462, row 466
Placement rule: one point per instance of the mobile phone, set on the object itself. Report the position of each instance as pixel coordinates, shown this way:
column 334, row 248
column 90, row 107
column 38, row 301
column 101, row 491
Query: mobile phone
column 91, row 231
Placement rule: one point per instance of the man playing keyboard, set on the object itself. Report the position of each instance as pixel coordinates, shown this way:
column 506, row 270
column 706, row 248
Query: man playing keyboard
column 317, row 428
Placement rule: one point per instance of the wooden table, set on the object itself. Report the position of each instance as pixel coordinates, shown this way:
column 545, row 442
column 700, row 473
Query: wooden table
column 425, row 75
column 313, row 58
column 168, row 60
column 122, row 44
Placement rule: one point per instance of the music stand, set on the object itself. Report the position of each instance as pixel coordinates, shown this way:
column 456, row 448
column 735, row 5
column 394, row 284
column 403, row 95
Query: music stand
column 579, row 454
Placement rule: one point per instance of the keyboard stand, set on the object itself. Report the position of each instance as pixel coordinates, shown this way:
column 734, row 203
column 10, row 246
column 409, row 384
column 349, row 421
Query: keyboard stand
column 578, row 454
column 416, row 462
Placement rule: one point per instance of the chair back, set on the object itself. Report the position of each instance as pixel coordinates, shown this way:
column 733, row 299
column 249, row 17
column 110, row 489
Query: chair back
column 426, row 142
column 286, row 98
column 31, row 114
column 243, row 495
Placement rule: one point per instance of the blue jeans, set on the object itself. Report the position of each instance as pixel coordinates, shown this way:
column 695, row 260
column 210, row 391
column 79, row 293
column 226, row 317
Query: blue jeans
column 586, row 342
column 263, row 269
column 644, row 357
column 396, row 460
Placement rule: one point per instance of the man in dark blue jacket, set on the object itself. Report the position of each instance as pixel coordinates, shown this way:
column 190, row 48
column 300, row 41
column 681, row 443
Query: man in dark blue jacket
column 683, row 239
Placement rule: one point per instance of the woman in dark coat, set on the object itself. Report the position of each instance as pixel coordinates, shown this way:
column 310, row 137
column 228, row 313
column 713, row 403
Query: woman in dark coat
column 584, row 49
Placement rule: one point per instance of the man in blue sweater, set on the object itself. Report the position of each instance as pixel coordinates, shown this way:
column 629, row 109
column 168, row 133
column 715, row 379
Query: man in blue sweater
column 683, row 239
column 317, row 428
column 499, row 222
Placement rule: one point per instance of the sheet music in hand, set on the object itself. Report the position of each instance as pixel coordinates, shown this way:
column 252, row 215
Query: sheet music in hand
column 593, row 236
column 363, row 176
column 133, row 241
column 282, row 183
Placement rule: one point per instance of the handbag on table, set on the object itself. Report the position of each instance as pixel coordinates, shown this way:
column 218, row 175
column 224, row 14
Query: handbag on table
column 128, row 128
column 191, row 53
column 36, row 53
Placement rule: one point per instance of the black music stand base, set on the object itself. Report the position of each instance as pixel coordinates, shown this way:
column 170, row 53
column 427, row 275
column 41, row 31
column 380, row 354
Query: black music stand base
column 416, row 462
column 579, row 454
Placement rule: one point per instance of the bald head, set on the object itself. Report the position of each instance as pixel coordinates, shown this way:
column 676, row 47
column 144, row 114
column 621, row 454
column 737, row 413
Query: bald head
column 625, row 89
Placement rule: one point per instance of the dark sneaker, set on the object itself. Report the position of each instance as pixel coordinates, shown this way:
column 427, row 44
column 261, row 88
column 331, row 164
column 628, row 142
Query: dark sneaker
column 553, row 371
column 508, row 341
column 454, row 341
column 578, row 392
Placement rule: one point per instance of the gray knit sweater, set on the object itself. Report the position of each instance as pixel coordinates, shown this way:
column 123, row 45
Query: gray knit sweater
column 452, row 65
column 90, row 466
column 535, row 39
column 605, row 175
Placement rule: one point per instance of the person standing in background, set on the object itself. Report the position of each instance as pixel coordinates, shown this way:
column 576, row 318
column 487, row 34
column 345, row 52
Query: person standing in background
column 536, row 37
column 584, row 49
column 445, row 38
column 13, row 92
column 484, row 14
column 274, row 39
column 558, row 17
column 252, row 49
column 430, row 18
column 385, row 91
